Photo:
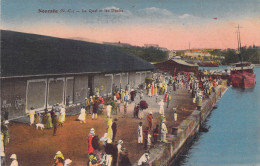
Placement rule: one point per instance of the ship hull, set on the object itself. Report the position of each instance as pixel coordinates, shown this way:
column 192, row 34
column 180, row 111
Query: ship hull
column 243, row 80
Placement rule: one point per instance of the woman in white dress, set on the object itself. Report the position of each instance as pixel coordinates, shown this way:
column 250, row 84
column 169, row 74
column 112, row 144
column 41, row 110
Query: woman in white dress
column 82, row 116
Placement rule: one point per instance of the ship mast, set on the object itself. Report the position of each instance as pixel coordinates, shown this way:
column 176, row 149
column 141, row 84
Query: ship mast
column 239, row 43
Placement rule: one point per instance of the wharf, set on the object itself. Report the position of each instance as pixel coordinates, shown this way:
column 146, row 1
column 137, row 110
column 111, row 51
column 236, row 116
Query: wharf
column 36, row 147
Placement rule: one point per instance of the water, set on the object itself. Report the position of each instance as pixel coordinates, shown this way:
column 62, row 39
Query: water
column 234, row 136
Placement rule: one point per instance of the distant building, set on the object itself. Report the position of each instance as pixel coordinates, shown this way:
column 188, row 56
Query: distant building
column 197, row 53
column 176, row 65
column 39, row 71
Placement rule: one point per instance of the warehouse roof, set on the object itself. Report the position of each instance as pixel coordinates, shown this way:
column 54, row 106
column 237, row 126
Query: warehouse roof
column 25, row 54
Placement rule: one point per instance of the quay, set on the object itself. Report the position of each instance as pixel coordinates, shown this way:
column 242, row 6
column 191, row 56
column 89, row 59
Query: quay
column 39, row 147
column 167, row 154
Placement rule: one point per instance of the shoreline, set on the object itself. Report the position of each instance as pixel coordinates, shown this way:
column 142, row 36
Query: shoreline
column 168, row 153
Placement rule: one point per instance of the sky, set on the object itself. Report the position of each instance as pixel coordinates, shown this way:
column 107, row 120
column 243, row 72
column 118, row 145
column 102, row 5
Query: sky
column 172, row 24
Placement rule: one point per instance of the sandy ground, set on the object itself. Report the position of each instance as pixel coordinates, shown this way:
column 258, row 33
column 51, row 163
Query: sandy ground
column 36, row 147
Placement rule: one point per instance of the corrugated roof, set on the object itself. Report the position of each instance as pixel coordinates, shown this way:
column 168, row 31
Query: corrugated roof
column 25, row 54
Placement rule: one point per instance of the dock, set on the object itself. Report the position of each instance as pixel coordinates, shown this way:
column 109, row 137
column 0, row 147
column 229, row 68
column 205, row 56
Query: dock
column 36, row 147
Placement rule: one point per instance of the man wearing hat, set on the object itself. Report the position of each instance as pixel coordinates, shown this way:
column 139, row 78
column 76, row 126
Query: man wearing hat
column 149, row 118
column 90, row 137
column 114, row 128
column 14, row 160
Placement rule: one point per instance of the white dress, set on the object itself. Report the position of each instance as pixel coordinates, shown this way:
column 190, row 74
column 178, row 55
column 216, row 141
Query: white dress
column 82, row 115
column 108, row 110
column 62, row 111
column 161, row 110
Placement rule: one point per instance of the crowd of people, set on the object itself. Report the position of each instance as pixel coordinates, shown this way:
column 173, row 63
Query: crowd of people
column 107, row 151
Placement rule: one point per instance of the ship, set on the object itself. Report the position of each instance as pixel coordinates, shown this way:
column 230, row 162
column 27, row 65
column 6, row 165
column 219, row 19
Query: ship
column 242, row 74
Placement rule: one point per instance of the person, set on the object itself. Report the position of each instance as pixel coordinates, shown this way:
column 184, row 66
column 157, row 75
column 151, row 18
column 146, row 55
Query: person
column 90, row 138
column 155, row 90
column 55, row 121
column 59, row 159
column 119, row 146
column 62, row 115
column 37, row 118
column 109, row 150
column 152, row 89
column 6, row 114
column 146, row 137
column 48, row 123
column 87, row 102
column 44, row 117
column 82, row 116
column 126, row 97
column 95, row 110
column 125, row 108
column 149, row 90
column 164, row 131
column 109, row 129
column 104, row 139
column 199, row 101
column 67, row 162
column 14, row 160
column 165, row 97
column 108, row 109
column 169, row 98
column 141, row 95
column 114, row 128
column 161, row 104
column 149, row 118
column 143, row 159
column 31, row 115
column 137, row 110
column 122, row 96
column 155, row 134
column 5, row 134
column 95, row 142
column 149, row 141
column 114, row 107
column 132, row 94
column 100, row 107
column 140, row 133
column 118, row 105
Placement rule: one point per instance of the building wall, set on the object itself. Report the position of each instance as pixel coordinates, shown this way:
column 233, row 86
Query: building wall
column 80, row 88
column 104, row 83
column 124, row 80
column 13, row 97
column 19, row 95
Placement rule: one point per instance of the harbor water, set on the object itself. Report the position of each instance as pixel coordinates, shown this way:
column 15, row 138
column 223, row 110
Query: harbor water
column 234, row 135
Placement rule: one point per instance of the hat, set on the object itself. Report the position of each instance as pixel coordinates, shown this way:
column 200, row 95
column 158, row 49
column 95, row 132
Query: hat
column 67, row 161
column 150, row 113
column 120, row 141
column 90, row 96
column 13, row 156
column 59, row 152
